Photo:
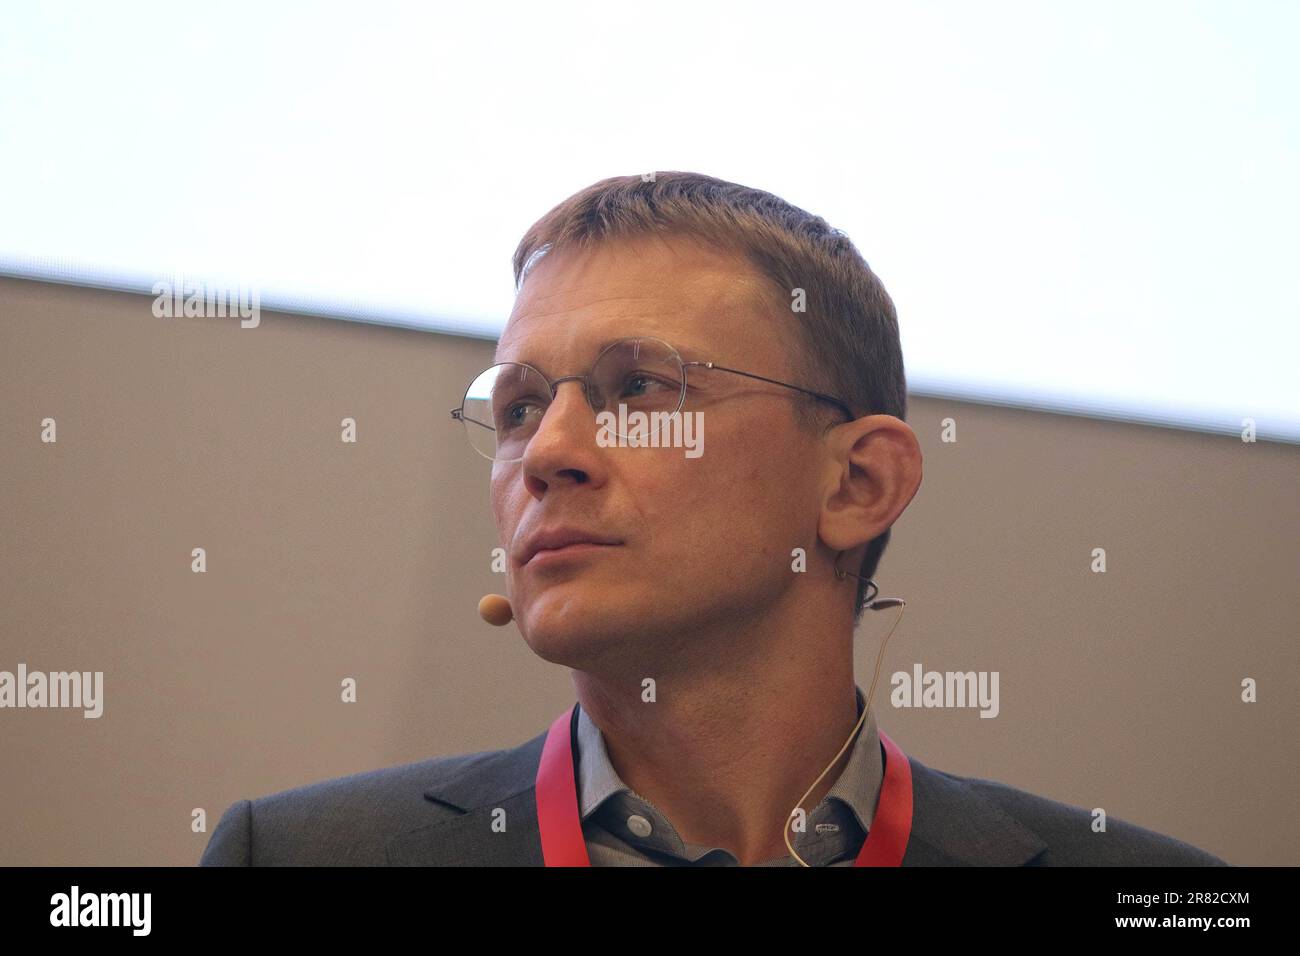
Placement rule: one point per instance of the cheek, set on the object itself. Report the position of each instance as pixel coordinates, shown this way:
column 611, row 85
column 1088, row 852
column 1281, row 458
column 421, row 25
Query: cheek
column 693, row 503
column 758, row 496
column 504, row 512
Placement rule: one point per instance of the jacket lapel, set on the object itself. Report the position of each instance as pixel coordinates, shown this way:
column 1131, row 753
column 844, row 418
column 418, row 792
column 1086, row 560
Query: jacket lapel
column 501, row 779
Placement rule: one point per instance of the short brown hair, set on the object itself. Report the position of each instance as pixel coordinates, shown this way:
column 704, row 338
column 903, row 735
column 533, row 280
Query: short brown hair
column 849, row 332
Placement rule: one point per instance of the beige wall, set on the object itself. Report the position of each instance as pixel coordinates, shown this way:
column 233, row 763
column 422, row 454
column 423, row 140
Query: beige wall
column 328, row 560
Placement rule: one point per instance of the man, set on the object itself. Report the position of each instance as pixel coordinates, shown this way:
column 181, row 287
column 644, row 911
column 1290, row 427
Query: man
column 705, row 603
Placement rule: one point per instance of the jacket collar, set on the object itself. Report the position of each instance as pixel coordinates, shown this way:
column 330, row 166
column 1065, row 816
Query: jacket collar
column 952, row 824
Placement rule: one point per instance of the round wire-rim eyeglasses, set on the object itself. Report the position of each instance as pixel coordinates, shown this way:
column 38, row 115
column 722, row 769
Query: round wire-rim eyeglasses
column 458, row 413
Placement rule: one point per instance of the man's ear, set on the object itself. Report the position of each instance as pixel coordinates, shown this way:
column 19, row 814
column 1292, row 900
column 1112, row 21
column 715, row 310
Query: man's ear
column 872, row 471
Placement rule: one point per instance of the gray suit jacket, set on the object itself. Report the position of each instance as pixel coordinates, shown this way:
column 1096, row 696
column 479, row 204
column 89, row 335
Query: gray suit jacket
column 439, row 813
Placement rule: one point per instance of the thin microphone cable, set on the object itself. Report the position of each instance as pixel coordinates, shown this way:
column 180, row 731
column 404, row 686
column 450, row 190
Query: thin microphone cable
column 874, row 605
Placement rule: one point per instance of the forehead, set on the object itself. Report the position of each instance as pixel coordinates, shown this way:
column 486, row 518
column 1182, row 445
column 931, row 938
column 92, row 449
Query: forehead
column 576, row 301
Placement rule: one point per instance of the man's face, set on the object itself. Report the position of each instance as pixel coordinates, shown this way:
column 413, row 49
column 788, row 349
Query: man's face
column 704, row 540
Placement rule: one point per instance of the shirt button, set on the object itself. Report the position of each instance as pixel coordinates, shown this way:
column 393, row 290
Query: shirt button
column 639, row 825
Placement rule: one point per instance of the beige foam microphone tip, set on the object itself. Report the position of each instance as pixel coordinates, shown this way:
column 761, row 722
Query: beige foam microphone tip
column 496, row 610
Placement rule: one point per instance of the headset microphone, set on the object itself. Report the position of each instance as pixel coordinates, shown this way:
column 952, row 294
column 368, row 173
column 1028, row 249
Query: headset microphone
column 496, row 610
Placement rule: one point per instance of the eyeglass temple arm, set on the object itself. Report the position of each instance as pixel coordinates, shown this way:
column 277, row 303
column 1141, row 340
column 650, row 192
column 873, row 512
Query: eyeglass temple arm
column 735, row 371
column 459, row 415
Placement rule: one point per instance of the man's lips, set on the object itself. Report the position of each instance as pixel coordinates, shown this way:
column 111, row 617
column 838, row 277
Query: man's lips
column 563, row 540
column 578, row 549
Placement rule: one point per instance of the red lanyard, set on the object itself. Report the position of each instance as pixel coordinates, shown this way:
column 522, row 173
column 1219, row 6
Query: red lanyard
column 560, row 824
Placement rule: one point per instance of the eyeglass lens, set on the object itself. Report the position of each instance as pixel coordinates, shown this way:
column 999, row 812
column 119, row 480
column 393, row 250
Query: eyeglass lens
column 503, row 406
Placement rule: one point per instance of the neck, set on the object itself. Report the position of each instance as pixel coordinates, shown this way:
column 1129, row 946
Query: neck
column 740, row 729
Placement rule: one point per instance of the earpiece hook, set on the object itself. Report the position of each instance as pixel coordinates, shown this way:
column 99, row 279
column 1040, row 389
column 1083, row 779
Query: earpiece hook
column 872, row 588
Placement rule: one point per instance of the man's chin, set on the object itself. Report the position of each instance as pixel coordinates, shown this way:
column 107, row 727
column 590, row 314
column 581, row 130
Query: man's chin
column 567, row 625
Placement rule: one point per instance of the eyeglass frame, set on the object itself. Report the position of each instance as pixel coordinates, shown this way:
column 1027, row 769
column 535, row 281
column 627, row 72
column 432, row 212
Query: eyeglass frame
column 457, row 413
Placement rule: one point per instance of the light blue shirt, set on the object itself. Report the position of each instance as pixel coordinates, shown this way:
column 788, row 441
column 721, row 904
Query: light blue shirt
column 622, row 828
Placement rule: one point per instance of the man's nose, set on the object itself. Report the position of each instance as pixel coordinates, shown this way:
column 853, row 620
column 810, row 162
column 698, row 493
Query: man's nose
column 569, row 410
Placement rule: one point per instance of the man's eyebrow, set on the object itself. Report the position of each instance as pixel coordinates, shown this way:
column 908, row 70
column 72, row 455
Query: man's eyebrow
column 687, row 352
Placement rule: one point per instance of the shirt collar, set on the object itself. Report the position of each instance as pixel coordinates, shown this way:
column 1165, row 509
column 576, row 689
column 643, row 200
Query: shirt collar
column 858, row 786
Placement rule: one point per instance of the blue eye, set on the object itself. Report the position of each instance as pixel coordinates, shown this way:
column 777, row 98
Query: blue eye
column 512, row 420
column 649, row 381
